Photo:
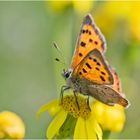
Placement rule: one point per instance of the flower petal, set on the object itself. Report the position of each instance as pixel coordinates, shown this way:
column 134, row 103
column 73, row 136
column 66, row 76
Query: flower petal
column 93, row 129
column 114, row 116
column 80, row 129
column 52, row 107
column 91, row 134
column 56, row 124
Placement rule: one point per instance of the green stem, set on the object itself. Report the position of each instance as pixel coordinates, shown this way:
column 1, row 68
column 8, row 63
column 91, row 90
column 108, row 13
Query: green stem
column 106, row 134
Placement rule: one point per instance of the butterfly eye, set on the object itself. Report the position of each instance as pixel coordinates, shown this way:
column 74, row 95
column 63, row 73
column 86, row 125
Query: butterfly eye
column 67, row 74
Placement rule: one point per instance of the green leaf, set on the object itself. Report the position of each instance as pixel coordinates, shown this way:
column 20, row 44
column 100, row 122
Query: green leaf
column 67, row 129
column 106, row 134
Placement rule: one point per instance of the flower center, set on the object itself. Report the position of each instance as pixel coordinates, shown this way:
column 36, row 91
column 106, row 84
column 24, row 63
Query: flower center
column 69, row 104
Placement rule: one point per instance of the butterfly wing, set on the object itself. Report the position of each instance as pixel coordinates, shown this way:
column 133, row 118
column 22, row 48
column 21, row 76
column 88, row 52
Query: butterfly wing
column 107, row 95
column 94, row 68
column 89, row 38
column 117, row 84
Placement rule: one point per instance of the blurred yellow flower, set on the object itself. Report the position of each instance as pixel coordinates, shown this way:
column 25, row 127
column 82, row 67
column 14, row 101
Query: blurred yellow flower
column 110, row 117
column 111, row 12
column 134, row 24
column 81, row 7
column 86, row 126
column 11, row 126
column 57, row 6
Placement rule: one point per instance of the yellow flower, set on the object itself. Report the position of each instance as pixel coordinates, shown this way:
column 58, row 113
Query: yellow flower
column 57, row 6
column 110, row 117
column 11, row 126
column 127, row 11
column 134, row 20
column 81, row 7
column 81, row 122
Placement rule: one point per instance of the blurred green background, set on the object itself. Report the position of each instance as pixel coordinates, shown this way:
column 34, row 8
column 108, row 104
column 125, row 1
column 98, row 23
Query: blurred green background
column 29, row 76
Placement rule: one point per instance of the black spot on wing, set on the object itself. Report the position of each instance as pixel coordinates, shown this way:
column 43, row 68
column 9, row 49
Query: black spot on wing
column 98, row 64
column 103, row 73
column 80, row 54
column 102, row 78
column 90, row 40
column 95, row 42
column 94, row 60
column 87, row 64
column 89, row 32
column 83, row 44
column 80, row 73
column 83, row 31
column 97, row 68
column 90, row 58
column 84, row 70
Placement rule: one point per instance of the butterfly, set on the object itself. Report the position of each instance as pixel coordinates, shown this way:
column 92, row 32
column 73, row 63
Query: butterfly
column 89, row 73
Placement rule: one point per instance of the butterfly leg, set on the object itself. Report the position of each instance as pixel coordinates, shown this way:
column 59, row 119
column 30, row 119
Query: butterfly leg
column 88, row 103
column 75, row 96
column 63, row 88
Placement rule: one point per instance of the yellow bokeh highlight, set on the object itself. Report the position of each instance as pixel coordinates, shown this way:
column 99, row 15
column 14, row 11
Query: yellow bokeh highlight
column 57, row 6
column 113, row 11
column 110, row 117
column 11, row 126
column 83, row 6
column 80, row 7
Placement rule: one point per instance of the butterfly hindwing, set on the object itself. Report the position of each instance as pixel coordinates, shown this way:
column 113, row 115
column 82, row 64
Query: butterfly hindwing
column 94, row 68
column 107, row 95
column 89, row 38
column 117, row 84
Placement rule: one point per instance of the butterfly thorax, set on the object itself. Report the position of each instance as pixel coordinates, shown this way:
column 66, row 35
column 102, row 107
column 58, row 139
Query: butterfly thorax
column 79, row 84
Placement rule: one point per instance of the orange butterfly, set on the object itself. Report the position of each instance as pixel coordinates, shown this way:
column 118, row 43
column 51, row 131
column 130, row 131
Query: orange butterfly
column 89, row 73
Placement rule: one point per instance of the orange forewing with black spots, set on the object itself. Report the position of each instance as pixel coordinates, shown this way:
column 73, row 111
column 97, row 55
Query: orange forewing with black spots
column 89, row 38
column 94, row 68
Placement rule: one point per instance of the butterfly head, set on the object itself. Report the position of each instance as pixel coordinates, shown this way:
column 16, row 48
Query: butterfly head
column 67, row 73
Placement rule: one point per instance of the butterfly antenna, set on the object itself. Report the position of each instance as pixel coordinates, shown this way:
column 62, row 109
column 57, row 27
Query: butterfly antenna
column 62, row 56
column 58, row 60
